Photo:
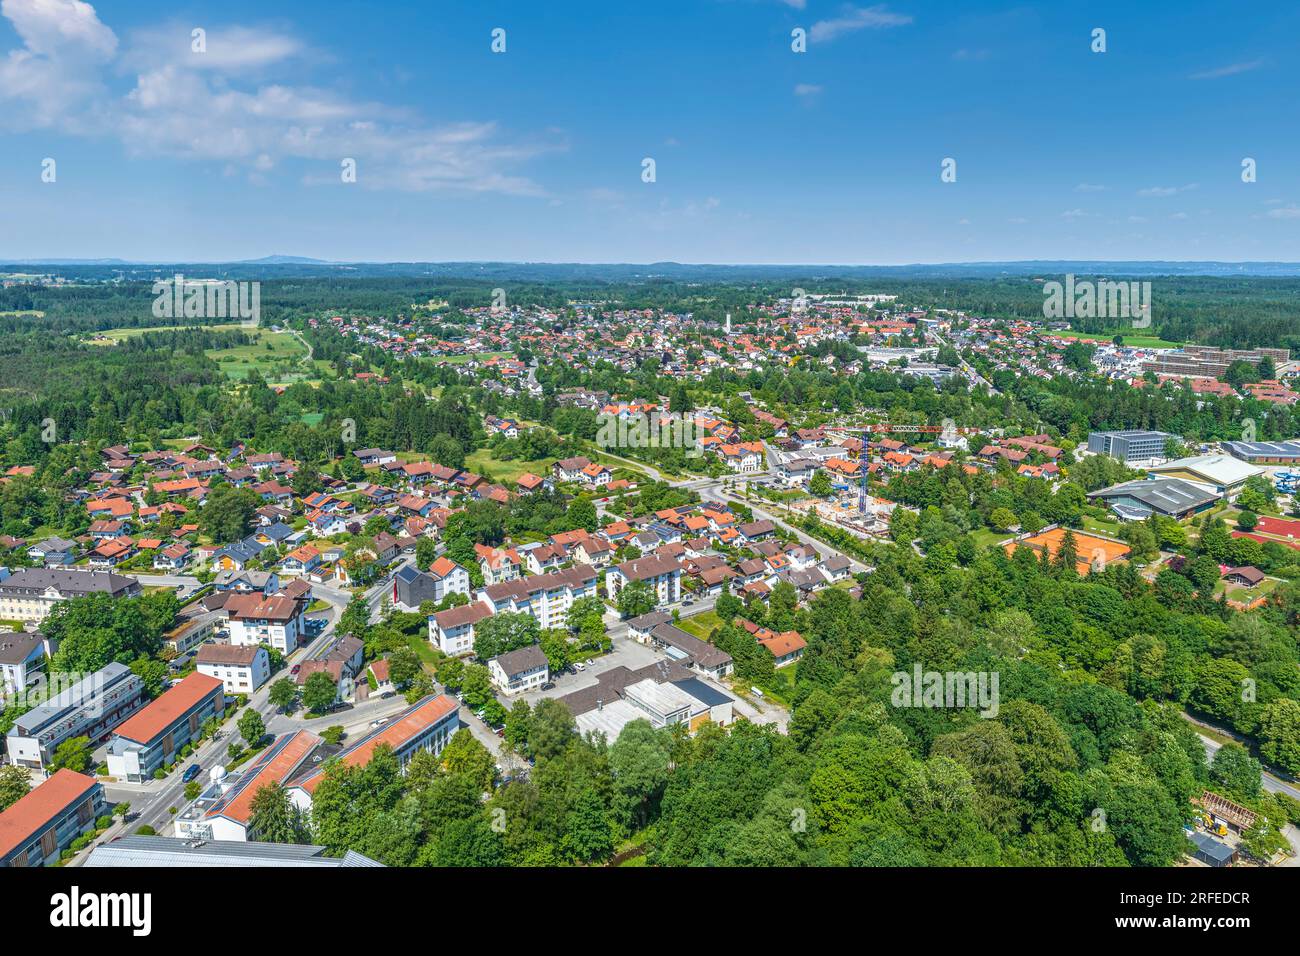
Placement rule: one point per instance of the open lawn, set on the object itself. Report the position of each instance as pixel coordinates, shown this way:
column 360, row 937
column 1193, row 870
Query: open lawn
column 1245, row 595
column 701, row 625
column 273, row 354
column 481, row 462
column 984, row 537
column 424, row 651
column 1130, row 340
column 1098, row 526
column 113, row 336
column 462, row 359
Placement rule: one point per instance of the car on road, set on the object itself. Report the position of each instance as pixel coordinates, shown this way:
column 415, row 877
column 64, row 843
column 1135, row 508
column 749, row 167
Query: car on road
column 549, row 685
column 295, row 669
column 379, row 722
column 579, row 666
column 190, row 773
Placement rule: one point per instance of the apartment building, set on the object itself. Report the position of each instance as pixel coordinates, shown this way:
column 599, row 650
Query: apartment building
column 22, row 656
column 154, row 736
column 547, row 597
column 29, row 594
column 224, row 809
column 663, row 574
column 1207, row 361
column 241, row 668
column 42, row 824
column 91, row 707
column 519, row 670
column 257, row 619
column 452, row 630
column 427, row 725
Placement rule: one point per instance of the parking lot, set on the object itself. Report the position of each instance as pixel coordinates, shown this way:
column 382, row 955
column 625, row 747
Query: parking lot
column 626, row 653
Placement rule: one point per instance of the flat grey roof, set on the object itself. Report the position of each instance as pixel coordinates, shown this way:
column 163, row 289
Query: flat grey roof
column 1162, row 494
column 133, row 850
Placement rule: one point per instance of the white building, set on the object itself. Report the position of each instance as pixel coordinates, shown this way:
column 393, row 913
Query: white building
column 242, row 668
column 448, row 578
column 452, row 630
column 520, row 670
column 663, row 574
column 276, row 620
column 547, row 597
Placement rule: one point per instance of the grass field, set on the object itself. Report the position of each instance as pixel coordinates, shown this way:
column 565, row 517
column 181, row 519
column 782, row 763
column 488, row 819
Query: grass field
column 984, row 537
column 424, row 651
column 113, row 336
column 701, row 625
column 462, row 359
column 481, row 462
column 285, row 351
column 1245, row 595
column 1130, row 340
column 1109, row 528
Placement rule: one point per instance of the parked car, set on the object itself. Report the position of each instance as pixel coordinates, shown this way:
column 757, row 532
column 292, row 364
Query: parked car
column 190, row 773
column 379, row 722
column 579, row 666
column 295, row 669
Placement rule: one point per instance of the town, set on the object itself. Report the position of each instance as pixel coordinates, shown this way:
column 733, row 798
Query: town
column 464, row 562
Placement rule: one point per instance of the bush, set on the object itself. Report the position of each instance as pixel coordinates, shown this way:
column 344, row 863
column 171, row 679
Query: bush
column 145, row 830
column 160, row 774
column 104, row 822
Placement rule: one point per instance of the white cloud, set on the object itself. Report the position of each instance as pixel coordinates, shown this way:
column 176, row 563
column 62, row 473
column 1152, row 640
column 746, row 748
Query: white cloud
column 1284, row 212
column 1232, row 69
column 226, row 50
column 853, row 19
column 205, row 107
column 806, row 89
column 64, row 48
column 1166, row 190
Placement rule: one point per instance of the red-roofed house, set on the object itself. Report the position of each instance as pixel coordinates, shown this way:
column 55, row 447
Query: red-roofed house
column 154, row 735
column 42, row 824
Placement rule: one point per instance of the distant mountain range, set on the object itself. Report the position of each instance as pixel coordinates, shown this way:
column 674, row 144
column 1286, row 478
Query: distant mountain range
column 281, row 266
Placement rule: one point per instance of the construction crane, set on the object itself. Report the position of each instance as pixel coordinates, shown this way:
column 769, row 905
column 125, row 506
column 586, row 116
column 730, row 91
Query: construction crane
column 886, row 427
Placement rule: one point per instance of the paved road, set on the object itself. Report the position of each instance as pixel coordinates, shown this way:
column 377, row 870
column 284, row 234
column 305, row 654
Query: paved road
column 966, row 367
column 1270, row 782
column 184, row 583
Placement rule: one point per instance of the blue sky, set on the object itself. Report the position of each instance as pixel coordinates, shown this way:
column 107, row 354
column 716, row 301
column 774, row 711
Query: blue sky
column 762, row 154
